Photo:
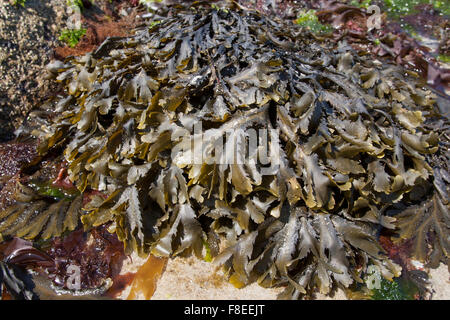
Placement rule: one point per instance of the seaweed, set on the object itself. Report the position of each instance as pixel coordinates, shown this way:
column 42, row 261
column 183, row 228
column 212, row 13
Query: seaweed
column 72, row 36
column 98, row 255
column 35, row 215
column 345, row 143
column 308, row 19
column 17, row 281
column 391, row 290
column 428, row 226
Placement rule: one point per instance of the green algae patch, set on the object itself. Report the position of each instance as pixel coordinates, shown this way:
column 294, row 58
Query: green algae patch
column 50, row 190
column 399, row 8
column 397, row 289
column 444, row 58
column 72, row 36
column 309, row 20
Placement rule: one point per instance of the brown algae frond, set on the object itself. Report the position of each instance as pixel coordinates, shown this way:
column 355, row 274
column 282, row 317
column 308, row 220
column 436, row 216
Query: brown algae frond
column 354, row 151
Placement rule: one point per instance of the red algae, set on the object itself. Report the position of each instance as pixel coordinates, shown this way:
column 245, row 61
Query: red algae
column 398, row 252
column 99, row 256
column 101, row 20
column 120, row 282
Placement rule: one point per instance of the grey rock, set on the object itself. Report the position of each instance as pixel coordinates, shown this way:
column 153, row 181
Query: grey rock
column 26, row 36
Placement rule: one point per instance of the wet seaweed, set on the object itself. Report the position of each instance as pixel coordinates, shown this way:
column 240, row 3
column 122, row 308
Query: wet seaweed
column 354, row 150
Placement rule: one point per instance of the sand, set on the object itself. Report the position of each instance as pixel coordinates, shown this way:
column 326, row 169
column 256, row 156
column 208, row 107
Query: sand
column 193, row 279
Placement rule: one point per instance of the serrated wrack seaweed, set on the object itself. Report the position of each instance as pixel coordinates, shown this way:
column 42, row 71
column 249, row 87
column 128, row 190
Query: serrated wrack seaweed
column 351, row 136
column 34, row 215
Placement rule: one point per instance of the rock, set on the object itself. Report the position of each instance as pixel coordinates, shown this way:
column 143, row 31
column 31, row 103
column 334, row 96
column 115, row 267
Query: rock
column 25, row 48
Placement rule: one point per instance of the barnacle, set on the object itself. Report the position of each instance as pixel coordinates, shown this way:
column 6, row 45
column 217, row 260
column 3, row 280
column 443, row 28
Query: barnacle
column 352, row 148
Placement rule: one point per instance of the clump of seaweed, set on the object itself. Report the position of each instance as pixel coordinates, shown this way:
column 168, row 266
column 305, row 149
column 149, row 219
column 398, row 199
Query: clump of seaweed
column 354, row 151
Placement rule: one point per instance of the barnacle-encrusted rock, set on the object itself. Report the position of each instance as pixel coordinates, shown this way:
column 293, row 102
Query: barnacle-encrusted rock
column 353, row 150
